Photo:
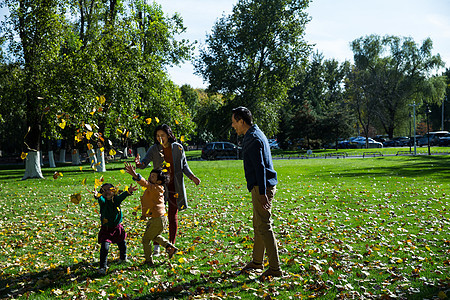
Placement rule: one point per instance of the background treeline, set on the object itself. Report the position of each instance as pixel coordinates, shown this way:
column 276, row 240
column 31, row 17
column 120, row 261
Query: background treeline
column 91, row 72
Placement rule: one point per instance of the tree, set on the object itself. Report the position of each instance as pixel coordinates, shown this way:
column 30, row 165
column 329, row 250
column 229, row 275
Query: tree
column 39, row 25
column 316, row 103
column 389, row 74
column 253, row 54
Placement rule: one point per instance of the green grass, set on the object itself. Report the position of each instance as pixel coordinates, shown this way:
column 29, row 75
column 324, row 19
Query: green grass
column 346, row 228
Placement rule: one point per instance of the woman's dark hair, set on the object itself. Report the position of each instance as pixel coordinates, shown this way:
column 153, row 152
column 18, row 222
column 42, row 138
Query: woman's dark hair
column 166, row 128
column 164, row 177
column 243, row 113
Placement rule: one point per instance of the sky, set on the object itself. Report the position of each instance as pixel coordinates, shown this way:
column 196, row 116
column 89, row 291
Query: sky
column 334, row 25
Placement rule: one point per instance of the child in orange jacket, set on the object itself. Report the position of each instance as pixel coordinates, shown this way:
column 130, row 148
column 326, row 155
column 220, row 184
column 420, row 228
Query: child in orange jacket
column 153, row 209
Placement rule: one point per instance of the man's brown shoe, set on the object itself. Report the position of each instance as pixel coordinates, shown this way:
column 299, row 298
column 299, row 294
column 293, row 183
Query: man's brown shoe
column 272, row 273
column 252, row 266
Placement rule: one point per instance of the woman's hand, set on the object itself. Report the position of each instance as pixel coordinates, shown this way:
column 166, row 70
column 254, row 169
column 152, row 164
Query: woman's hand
column 137, row 161
column 195, row 179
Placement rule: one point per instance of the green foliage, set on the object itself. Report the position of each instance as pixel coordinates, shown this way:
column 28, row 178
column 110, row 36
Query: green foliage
column 254, row 54
column 390, row 73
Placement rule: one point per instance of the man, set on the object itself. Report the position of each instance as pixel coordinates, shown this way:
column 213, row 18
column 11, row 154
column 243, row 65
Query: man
column 261, row 182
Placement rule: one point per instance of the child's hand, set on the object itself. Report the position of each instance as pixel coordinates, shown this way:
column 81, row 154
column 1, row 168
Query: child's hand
column 132, row 189
column 130, row 169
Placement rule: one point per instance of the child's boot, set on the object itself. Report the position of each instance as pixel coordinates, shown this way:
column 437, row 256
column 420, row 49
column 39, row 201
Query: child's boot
column 171, row 250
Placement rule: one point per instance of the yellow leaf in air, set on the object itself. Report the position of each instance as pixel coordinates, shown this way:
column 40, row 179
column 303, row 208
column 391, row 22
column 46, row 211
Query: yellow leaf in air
column 97, row 183
column 127, row 134
column 122, row 171
column 156, row 119
column 98, row 164
column 112, row 152
column 148, row 121
column 176, row 122
column 143, row 188
column 62, row 124
column 176, row 195
column 119, row 131
column 23, row 155
column 83, row 182
column 182, row 138
column 182, row 260
column 102, row 149
column 89, row 146
column 75, row 198
column 89, row 135
column 101, row 99
column 79, row 137
column 93, row 111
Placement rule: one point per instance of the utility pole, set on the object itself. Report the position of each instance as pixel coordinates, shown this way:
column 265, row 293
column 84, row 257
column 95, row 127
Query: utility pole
column 414, row 114
column 442, row 124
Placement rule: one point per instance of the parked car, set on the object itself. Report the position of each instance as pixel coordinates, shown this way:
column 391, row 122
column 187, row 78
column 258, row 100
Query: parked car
column 221, row 150
column 433, row 137
column 397, row 142
column 360, row 142
column 273, row 144
column 444, row 140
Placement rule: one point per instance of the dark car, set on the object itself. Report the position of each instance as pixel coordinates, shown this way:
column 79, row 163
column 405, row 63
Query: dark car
column 445, row 140
column 221, row 150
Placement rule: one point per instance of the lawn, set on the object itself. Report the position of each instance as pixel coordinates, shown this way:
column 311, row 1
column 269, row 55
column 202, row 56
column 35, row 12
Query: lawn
column 346, row 228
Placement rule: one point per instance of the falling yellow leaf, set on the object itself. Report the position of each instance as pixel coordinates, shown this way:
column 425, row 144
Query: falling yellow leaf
column 176, row 195
column 112, row 152
column 176, row 122
column 23, row 155
column 156, row 119
column 93, row 111
column 79, row 137
column 127, row 134
column 182, row 260
column 97, row 183
column 101, row 99
column 148, row 121
column 119, row 131
column 89, row 146
column 75, row 198
column 102, row 149
column 135, row 117
column 89, row 135
column 122, row 171
column 81, row 168
column 62, row 124
column 98, row 164
column 83, row 182
column 182, row 138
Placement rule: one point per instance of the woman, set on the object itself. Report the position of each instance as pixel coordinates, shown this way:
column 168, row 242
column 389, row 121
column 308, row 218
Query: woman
column 167, row 150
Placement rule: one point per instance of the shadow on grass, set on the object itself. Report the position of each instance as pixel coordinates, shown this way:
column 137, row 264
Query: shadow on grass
column 420, row 166
column 13, row 286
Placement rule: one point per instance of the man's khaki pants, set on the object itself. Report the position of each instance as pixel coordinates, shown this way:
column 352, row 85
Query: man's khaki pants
column 262, row 224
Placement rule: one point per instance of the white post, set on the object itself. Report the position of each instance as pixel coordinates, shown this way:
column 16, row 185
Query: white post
column 141, row 151
column 92, row 158
column 62, row 155
column 101, row 158
column 76, row 161
column 51, row 159
column 33, row 166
